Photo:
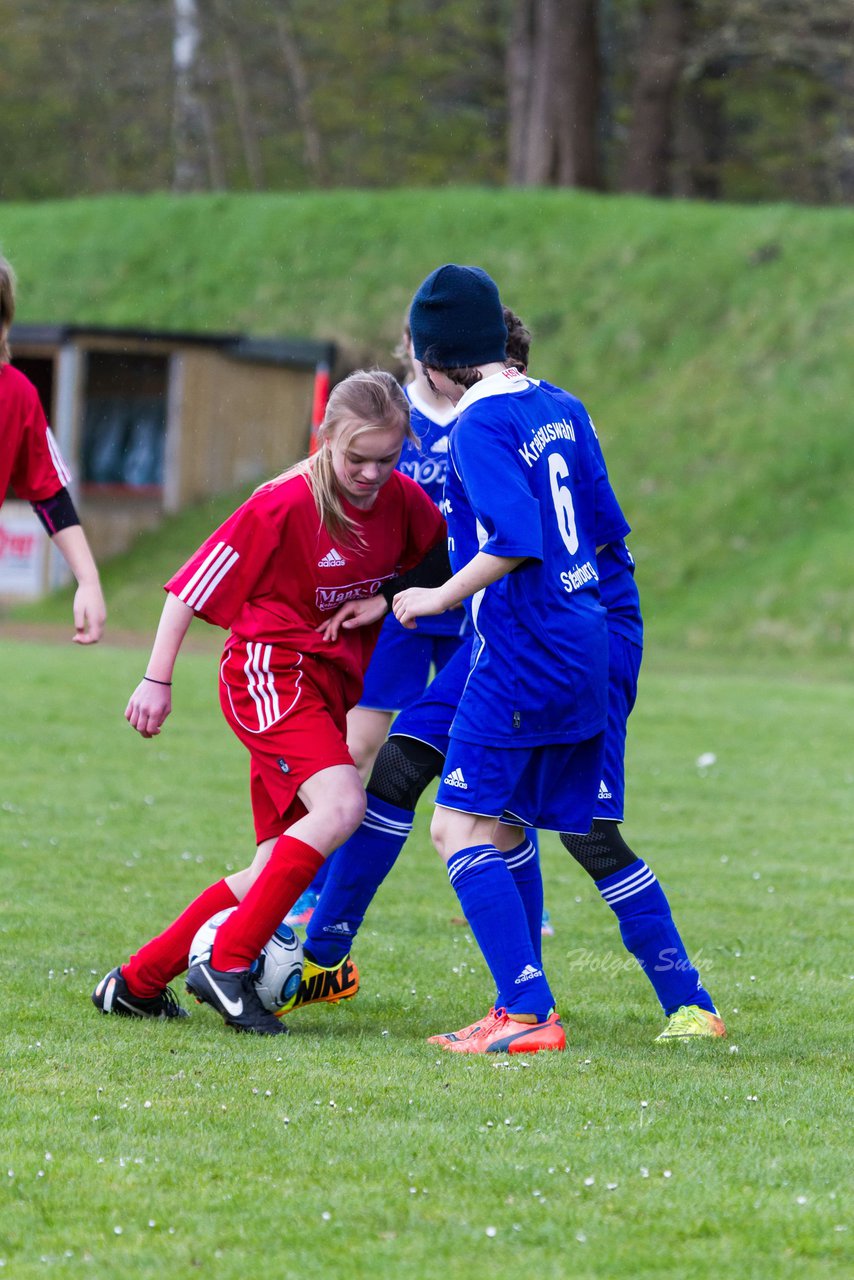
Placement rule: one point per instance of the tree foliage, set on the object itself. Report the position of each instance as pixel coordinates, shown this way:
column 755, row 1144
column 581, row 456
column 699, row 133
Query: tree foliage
column 735, row 99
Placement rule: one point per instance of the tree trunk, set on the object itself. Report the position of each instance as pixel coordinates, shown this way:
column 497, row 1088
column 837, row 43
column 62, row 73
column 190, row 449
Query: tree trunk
column 230, row 30
column 312, row 146
column 661, row 56
column 553, row 94
column 700, row 143
column 188, row 123
column 585, row 94
column 835, row 31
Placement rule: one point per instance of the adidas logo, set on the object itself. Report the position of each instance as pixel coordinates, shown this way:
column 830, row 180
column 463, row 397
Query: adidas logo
column 455, row 779
column 604, row 793
column 332, row 560
column 528, row 973
column 341, row 927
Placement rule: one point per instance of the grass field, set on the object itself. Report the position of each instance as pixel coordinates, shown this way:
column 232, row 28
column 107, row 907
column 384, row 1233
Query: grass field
column 134, row 1150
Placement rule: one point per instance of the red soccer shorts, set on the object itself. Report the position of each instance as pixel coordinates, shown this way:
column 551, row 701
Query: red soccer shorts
column 288, row 710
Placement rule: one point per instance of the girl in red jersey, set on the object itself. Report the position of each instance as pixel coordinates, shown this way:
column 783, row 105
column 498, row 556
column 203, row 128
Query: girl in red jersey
column 342, row 525
column 30, row 461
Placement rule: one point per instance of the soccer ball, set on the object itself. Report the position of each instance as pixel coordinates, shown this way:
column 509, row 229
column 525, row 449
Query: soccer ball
column 278, row 969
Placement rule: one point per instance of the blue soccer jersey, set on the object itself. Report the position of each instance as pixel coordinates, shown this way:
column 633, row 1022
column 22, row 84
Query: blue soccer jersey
column 403, row 659
column 619, row 592
column 523, row 481
column 614, row 562
column 427, row 465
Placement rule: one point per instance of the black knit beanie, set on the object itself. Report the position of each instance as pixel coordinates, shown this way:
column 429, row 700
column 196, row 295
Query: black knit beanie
column 456, row 319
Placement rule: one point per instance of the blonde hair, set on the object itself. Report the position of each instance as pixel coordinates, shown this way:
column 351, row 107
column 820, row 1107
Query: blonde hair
column 372, row 398
column 7, row 308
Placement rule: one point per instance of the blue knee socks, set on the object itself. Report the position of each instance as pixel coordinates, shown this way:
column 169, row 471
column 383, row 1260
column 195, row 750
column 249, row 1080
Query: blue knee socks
column 648, row 931
column 356, row 871
column 524, row 864
column 496, row 916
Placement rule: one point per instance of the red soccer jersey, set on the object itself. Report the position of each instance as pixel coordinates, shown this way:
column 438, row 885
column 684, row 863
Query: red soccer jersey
column 29, row 456
column 272, row 572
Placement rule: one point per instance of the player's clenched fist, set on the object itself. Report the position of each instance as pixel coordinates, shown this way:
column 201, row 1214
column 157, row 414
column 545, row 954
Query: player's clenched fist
column 418, row 602
column 149, row 705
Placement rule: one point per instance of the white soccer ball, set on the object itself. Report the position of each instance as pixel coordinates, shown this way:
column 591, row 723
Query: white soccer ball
column 278, row 969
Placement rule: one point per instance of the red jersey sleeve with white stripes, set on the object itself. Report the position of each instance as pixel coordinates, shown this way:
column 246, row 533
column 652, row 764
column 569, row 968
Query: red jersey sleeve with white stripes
column 425, row 524
column 39, row 469
column 218, row 580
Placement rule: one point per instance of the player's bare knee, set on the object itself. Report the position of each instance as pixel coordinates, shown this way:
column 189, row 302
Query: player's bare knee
column 440, row 833
column 345, row 812
column 507, row 837
column 452, row 830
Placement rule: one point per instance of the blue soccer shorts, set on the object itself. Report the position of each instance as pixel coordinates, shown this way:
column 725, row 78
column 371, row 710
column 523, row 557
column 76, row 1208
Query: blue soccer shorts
column 429, row 718
column 553, row 786
column 400, row 666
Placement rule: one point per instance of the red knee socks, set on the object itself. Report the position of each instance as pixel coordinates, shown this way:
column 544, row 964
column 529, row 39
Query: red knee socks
column 159, row 961
column 290, row 870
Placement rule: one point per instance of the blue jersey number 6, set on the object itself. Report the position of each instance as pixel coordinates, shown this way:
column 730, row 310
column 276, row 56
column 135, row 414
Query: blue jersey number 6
column 562, row 499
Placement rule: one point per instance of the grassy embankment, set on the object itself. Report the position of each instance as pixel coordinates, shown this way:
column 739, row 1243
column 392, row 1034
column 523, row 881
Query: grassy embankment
column 714, row 346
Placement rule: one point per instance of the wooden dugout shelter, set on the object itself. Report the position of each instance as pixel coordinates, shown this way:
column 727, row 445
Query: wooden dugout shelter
column 151, row 421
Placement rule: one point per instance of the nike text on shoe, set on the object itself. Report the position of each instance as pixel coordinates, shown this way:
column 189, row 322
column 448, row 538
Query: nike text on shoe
column 112, row 995
column 324, row 986
column 502, row 1034
column 235, row 997
column 454, row 1037
column 690, row 1021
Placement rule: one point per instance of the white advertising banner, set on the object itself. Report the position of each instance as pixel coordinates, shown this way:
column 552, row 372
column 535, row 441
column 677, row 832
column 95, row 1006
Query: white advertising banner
column 24, row 550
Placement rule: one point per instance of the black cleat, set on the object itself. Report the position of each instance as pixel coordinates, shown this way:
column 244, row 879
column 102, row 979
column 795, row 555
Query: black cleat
column 113, row 995
column 233, row 995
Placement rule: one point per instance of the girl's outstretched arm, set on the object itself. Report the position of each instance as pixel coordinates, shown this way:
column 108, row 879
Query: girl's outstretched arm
column 151, row 700
column 481, row 571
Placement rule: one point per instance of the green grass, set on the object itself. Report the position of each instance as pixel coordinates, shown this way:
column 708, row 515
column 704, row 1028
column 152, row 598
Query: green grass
column 711, row 343
column 354, row 1146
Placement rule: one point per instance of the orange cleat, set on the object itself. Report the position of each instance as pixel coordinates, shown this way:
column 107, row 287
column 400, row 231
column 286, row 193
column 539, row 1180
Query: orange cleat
column 501, row 1033
column 453, row 1037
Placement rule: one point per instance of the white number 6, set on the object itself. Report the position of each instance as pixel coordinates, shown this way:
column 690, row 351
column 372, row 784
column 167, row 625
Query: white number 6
column 562, row 499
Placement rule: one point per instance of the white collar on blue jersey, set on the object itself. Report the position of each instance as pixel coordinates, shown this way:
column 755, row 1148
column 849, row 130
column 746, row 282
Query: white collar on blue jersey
column 497, row 384
column 441, row 417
